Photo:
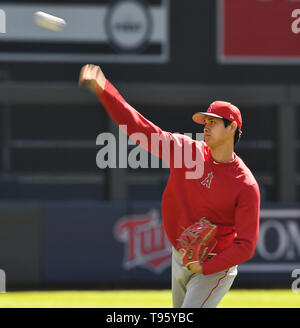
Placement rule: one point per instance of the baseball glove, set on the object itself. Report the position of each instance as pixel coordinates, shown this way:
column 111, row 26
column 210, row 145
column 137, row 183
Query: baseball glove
column 196, row 242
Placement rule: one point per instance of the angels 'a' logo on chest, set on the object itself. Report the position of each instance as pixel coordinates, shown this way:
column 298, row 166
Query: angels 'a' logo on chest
column 207, row 180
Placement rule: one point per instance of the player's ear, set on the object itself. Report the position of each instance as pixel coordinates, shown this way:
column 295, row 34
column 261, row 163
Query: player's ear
column 233, row 126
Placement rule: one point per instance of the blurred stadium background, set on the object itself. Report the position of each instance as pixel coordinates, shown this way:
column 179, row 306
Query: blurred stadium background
column 65, row 223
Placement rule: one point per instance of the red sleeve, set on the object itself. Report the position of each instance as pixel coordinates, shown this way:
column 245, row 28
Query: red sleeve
column 137, row 127
column 149, row 136
column 247, row 229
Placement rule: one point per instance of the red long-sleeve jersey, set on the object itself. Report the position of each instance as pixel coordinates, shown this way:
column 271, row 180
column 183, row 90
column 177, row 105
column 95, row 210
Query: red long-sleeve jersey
column 227, row 194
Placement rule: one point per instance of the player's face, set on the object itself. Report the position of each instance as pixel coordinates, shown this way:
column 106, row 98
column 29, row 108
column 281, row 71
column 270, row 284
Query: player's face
column 215, row 133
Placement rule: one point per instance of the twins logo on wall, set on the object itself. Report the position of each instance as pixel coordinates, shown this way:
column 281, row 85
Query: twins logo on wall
column 146, row 244
column 145, row 241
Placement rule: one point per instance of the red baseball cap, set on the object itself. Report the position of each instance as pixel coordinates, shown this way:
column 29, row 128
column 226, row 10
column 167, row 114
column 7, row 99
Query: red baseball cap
column 221, row 109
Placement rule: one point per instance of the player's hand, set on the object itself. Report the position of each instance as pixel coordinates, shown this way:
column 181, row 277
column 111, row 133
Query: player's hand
column 194, row 267
column 92, row 77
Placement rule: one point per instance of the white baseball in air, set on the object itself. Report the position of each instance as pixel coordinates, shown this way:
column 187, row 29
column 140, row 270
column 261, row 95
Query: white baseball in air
column 49, row 22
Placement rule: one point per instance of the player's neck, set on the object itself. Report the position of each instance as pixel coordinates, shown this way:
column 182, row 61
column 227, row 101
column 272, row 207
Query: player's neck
column 223, row 154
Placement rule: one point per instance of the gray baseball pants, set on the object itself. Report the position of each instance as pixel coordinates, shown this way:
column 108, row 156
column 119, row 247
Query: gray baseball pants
column 190, row 290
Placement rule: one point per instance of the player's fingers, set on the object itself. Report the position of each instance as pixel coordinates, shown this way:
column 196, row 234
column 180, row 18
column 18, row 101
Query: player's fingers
column 100, row 75
column 89, row 71
column 98, row 71
column 94, row 71
column 84, row 74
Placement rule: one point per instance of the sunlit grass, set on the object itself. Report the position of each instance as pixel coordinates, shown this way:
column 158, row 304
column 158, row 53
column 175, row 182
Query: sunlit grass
column 142, row 299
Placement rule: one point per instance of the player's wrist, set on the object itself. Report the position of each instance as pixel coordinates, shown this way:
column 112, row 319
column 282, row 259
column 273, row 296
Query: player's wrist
column 99, row 89
column 100, row 84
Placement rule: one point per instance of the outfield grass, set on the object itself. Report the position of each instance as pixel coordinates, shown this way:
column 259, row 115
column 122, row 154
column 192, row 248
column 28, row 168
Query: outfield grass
column 142, row 299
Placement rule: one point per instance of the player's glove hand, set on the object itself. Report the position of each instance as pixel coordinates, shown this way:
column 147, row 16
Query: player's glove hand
column 196, row 242
column 92, row 77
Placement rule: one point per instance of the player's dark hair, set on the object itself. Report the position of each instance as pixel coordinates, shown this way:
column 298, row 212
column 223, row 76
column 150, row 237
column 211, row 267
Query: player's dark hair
column 238, row 132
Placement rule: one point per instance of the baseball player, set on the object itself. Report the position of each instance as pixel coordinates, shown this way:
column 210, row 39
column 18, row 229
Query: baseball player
column 226, row 193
